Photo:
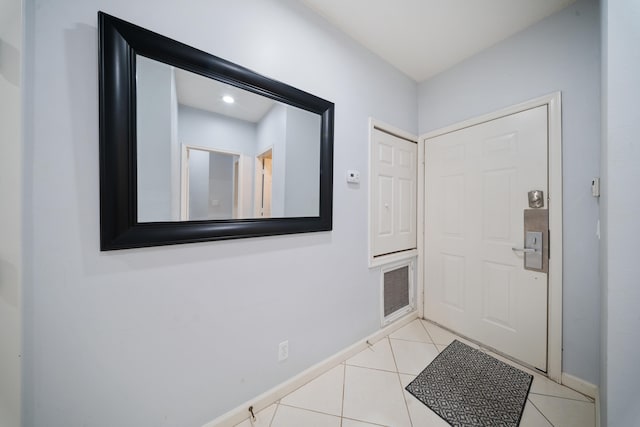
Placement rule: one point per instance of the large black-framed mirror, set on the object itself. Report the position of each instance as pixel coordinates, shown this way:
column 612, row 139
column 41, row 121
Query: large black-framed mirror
column 177, row 165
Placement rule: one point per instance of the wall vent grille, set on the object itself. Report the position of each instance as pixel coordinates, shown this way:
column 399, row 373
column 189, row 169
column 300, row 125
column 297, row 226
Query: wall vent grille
column 397, row 291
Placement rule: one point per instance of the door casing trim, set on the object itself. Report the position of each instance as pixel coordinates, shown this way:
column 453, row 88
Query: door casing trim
column 553, row 101
column 377, row 261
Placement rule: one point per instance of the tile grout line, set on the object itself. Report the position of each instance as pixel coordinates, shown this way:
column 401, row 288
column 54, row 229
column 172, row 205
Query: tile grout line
column 454, row 335
column 561, row 397
column 404, row 398
column 393, row 355
column 541, row 413
column 364, row 422
column 275, row 411
column 374, row 369
column 430, row 336
column 308, row 382
column 425, row 329
column 536, row 375
column 311, row 410
column 384, row 370
column 408, row 340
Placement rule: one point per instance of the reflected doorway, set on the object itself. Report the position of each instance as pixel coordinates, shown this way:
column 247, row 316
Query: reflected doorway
column 264, row 179
column 211, row 184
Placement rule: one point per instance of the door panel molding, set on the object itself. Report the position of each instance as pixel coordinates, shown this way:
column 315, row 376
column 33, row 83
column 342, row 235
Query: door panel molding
column 554, row 203
column 378, row 260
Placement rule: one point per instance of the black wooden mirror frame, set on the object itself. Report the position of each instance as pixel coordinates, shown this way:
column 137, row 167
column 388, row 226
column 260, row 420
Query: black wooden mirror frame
column 120, row 41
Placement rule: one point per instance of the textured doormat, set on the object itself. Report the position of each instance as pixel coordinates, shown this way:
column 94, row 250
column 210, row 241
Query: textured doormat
column 468, row 388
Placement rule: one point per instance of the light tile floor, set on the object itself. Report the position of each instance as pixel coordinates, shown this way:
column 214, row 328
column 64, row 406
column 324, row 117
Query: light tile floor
column 368, row 390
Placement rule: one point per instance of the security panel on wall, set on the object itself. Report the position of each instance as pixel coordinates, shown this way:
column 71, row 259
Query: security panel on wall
column 394, row 164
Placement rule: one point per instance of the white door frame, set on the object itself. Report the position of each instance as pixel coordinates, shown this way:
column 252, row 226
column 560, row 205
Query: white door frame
column 554, row 200
column 184, row 178
column 377, row 261
column 258, row 182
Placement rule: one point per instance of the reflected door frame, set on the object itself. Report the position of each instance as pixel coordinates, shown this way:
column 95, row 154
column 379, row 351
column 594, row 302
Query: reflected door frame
column 262, row 209
column 184, row 178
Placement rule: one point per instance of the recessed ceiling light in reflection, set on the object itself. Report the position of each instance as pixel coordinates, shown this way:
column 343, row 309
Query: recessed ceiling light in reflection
column 228, row 99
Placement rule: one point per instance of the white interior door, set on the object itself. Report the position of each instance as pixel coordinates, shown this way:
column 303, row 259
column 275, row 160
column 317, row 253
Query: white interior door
column 394, row 168
column 477, row 180
column 263, row 185
column 266, row 187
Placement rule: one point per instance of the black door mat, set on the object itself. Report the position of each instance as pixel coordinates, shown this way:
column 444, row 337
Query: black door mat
column 469, row 388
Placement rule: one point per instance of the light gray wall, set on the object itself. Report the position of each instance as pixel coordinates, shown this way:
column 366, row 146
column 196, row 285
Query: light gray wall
column 178, row 335
column 561, row 53
column 210, row 185
column 11, row 187
column 155, row 144
column 176, row 152
column 302, row 182
column 272, row 133
column 207, row 129
column 198, row 184
column 221, row 186
column 210, row 181
column 604, row 217
column 621, row 211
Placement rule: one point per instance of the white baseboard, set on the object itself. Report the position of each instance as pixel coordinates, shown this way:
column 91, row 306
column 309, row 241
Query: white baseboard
column 586, row 388
column 598, row 408
column 241, row 413
column 579, row 385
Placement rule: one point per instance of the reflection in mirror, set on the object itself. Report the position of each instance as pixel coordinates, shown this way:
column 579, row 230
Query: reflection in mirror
column 265, row 149
column 264, row 170
column 212, row 185
column 207, row 150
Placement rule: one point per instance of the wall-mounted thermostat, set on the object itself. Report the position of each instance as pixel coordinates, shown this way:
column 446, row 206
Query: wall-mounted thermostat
column 595, row 187
column 353, row 177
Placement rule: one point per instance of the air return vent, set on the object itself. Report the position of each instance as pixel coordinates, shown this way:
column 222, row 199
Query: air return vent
column 397, row 291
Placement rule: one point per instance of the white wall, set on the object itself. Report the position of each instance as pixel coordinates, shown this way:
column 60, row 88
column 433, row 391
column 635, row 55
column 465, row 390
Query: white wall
column 176, row 152
column 604, row 217
column 11, row 155
column 561, row 53
column 302, row 181
column 198, row 184
column 177, row 335
column 210, row 179
column 221, row 185
column 207, row 129
column 621, row 211
column 155, row 144
column 272, row 134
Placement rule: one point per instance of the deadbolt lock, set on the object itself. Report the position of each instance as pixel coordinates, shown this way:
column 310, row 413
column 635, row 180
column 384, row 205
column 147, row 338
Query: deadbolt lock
column 536, row 240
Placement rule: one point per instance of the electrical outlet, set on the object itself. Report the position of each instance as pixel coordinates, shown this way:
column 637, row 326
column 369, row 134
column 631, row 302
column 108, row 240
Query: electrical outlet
column 283, row 351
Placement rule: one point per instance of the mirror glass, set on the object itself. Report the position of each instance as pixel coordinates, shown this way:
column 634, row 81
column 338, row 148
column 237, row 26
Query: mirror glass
column 207, row 150
column 194, row 148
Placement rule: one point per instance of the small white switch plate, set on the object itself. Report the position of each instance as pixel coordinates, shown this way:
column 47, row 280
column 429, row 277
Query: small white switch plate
column 595, row 187
column 283, row 351
column 353, row 176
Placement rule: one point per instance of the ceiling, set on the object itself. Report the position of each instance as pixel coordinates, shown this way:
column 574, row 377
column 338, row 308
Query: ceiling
column 200, row 92
column 425, row 37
